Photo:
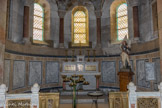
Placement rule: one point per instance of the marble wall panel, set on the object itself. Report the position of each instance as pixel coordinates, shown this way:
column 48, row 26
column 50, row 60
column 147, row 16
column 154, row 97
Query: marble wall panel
column 7, row 72
column 141, row 74
column 150, row 71
column 35, row 72
column 157, row 72
column 52, row 72
column 108, row 70
column 19, row 74
column 92, row 82
column 121, row 65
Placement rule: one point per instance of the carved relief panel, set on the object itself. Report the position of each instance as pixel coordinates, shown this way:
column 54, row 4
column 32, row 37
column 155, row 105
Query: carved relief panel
column 147, row 103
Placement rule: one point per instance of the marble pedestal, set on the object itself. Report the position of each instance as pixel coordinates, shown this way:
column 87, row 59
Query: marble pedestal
column 125, row 76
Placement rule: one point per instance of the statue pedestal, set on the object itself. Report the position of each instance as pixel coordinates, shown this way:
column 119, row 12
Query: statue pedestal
column 125, row 76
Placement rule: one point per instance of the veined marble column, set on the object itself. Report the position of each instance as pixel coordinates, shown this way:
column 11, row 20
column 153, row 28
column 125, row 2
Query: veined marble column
column 134, row 5
column 64, row 85
column 97, row 81
column 3, row 14
column 135, row 22
column 26, row 24
column 159, row 8
column 61, row 14
column 98, row 19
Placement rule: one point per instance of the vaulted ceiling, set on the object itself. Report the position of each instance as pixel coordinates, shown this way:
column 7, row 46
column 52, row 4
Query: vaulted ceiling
column 66, row 4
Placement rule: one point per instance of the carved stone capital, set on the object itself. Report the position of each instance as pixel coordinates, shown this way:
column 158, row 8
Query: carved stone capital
column 98, row 13
column 61, row 13
column 29, row 2
column 97, row 76
column 133, row 2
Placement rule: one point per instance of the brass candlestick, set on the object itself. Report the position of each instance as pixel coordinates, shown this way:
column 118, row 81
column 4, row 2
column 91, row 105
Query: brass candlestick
column 88, row 56
column 73, row 54
column 74, row 80
column 66, row 52
column 64, row 76
column 80, row 51
column 94, row 55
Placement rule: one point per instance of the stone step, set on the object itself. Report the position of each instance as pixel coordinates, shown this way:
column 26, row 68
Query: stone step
column 82, row 99
column 89, row 105
column 80, row 92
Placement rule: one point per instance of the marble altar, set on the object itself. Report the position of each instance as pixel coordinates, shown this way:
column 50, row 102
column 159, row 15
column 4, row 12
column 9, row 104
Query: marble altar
column 81, row 67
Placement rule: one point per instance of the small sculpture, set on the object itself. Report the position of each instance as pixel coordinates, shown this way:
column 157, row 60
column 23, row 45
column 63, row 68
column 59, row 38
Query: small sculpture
column 126, row 48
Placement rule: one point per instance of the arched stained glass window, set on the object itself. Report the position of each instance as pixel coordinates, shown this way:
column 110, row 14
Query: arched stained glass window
column 122, row 21
column 38, row 25
column 80, row 26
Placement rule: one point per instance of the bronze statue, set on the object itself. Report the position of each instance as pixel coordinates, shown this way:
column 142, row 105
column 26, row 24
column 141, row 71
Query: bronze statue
column 126, row 48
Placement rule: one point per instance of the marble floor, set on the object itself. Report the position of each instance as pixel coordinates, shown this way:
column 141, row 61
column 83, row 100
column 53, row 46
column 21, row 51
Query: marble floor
column 84, row 106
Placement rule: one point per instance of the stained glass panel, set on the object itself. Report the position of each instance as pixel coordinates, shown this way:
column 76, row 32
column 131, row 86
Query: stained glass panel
column 122, row 21
column 79, row 27
column 38, row 22
column 122, row 33
column 79, row 19
column 79, row 14
column 79, row 38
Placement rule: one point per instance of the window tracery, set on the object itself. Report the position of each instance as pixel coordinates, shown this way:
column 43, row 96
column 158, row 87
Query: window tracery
column 38, row 24
column 80, row 26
